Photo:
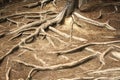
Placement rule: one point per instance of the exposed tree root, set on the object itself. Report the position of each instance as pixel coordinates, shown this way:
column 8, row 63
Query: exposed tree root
column 15, row 22
column 59, row 66
column 29, row 77
column 33, row 24
column 20, row 44
column 66, row 35
column 16, row 47
column 39, row 3
column 78, row 78
column 106, row 71
column 81, row 47
column 103, row 55
column 50, row 41
column 40, row 27
column 54, row 37
column 108, row 78
column 118, row 47
column 8, row 74
column 116, row 54
column 92, row 78
column 32, row 4
column 94, row 22
column 40, row 60
column 2, row 19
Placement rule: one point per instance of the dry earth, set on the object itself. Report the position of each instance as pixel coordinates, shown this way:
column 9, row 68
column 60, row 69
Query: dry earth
column 42, row 49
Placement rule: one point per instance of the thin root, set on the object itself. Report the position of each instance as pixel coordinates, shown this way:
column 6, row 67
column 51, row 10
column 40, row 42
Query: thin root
column 8, row 73
column 81, row 47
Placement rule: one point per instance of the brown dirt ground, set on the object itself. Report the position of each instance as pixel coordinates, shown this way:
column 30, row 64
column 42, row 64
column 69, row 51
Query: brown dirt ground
column 42, row 47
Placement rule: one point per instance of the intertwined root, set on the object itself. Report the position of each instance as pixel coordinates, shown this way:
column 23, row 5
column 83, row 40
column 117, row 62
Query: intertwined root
column 40, row 3
column 40, row 27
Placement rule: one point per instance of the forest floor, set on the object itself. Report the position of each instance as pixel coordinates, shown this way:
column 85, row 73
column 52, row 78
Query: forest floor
column 42, row 54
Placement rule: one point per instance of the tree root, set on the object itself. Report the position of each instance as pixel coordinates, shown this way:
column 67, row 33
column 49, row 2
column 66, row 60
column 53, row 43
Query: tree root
column 103, row 55
column 19, row 45
column 30, row 73
column 8, row 73
column 54, row 37
column 15, row 22
column 24, row 27
column 92, row 78
column 79, row 78
column 106, row 71
column 81, row 47
column 15, row 48
column 116, row 55
column 3, row 19
column 39, row 3
column 33, row 17
column 66, row 35
column 39, row 29
column 108, row 78
column 33, row 4
column 43, row 26
column 50, row 41
column 40, row 60
column 88, row 20
column 59, row 66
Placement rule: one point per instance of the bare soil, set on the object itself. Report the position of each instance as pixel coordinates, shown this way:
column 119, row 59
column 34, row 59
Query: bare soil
column 42, row 56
